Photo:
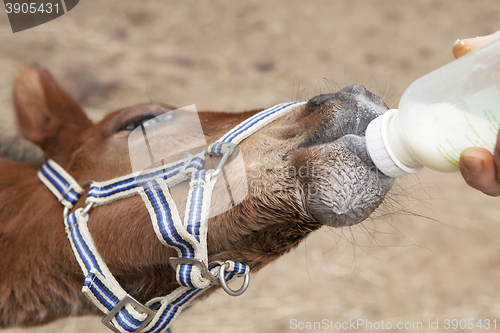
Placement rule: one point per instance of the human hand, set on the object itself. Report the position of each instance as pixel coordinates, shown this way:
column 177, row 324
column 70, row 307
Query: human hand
column 464, row 46
column 479, row 167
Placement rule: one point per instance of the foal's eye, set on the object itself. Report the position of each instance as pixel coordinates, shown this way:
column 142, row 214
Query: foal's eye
column 160, row 119
column 147, row 120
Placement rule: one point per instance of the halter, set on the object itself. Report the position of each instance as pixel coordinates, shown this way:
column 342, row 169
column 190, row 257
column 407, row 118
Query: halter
column 189, row 237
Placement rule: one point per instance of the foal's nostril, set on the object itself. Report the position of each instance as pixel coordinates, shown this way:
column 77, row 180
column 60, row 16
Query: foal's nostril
column 318, row 100
column 350, row 92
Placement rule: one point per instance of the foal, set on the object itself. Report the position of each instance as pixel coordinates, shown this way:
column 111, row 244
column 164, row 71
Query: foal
column 307, row 169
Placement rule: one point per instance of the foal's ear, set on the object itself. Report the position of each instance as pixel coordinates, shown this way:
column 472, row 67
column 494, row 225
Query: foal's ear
column 46, row 114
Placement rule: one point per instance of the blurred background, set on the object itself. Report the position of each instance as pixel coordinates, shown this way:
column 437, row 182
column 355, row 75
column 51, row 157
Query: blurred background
column 431, row 252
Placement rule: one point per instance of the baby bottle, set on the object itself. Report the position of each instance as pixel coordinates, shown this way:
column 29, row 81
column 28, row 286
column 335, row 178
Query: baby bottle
column 439, row 115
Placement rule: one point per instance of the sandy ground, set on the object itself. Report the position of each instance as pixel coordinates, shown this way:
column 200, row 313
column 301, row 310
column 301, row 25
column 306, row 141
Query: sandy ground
column 429, row 254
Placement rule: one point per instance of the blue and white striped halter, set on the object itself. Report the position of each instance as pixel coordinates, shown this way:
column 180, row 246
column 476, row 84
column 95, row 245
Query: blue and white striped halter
column 189, row 237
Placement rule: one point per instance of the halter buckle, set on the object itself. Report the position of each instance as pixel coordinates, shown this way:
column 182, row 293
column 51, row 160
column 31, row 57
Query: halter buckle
column 137, row 306
column 175, row 261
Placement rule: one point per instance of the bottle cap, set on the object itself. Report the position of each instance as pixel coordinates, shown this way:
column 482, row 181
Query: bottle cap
column 379, row 149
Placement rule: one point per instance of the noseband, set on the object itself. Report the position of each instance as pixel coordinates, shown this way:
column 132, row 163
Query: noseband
column 189, row 237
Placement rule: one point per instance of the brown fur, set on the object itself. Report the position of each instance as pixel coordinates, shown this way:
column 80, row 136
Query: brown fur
column 40, row 279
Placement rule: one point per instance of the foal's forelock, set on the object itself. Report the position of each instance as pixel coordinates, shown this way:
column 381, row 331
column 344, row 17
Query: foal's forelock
column 17, row 149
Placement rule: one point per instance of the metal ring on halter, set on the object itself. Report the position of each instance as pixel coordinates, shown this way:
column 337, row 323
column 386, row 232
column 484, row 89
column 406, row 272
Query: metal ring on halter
column 83, row 185
column 223, row 160
column 65, row 212
column 226, row 288
column 87, row 183
column 87, row 208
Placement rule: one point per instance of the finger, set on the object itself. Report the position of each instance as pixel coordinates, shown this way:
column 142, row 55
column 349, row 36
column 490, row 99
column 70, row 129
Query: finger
column 496, row 156
column 478, row 168
column 464, row 46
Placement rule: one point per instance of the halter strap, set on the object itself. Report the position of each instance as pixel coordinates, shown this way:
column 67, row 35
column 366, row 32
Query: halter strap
column 252, row 125
column 193, row 272
column 189, row 239
column 60, row 183
column 106, row 192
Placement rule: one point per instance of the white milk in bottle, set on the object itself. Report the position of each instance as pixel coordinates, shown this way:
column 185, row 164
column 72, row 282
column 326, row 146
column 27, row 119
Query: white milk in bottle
column 439, row 115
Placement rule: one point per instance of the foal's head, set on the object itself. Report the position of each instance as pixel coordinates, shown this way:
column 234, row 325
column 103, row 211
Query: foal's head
column 307, row 169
